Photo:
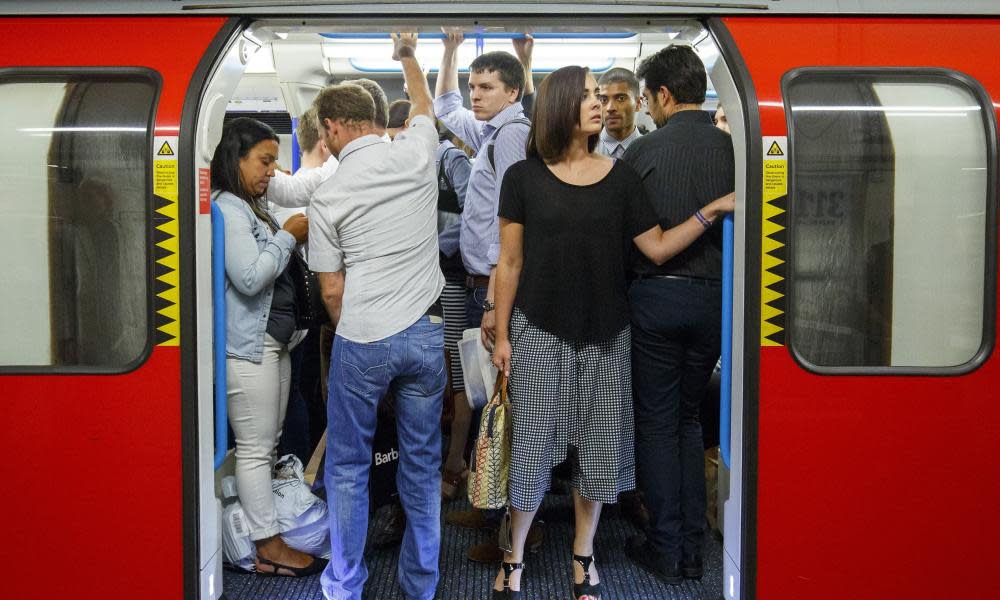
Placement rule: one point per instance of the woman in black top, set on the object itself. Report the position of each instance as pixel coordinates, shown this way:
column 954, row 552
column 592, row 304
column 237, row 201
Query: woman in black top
column 568, row 220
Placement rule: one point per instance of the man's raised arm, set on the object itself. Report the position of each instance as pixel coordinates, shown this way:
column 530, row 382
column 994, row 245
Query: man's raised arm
column 448, row 99
column 447, row 79
column 404, row 50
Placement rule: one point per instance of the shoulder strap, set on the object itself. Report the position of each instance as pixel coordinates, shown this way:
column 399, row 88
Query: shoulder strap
column 442, row 173
column 447, row 197
column 493, row 138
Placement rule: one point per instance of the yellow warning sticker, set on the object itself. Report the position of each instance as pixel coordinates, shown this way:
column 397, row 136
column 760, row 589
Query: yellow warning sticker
column 165, row 178
column 165, row 229
column 165, row 149
column 774, row 252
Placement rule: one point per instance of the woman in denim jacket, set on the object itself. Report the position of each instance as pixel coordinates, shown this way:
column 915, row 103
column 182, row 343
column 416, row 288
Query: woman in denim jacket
column 260, row 322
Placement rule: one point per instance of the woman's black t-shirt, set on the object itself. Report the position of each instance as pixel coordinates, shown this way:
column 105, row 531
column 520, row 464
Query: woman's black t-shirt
column 577, row 242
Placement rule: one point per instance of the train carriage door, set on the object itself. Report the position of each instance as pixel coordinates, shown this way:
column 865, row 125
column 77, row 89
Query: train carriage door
column 873, row 219
column 94, row 305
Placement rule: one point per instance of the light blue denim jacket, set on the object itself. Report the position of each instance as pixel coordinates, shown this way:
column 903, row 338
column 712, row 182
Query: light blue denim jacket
column 254, row 258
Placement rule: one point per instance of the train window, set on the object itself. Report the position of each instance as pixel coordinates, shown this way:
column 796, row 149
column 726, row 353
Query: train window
column 891, row 220
column 76, row 230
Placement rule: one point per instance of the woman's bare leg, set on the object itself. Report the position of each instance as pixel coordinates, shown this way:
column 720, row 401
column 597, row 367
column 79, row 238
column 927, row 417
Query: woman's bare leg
column 520, row 523
column 587, row 513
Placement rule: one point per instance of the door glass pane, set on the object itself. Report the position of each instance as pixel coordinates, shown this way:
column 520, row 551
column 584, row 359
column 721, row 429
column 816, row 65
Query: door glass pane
column 74, row 162
column 888, row 220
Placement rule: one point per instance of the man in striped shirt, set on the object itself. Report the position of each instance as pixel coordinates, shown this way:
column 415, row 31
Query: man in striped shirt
column 676, row 312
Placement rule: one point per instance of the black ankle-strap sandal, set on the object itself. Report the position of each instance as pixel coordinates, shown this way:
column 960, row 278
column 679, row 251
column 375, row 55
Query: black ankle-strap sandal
column 585, row 589
column 506, row 593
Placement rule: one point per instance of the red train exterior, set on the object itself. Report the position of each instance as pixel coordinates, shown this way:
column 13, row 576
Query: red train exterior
column 903, row 506
column 96, row 459
column 880, row 485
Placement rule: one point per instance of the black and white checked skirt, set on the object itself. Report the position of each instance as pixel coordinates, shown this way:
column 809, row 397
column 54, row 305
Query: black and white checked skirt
column 455, row 322
column 570, row 400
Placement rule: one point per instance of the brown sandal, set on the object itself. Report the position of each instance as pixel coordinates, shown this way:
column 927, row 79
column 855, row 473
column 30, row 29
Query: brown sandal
column 453, row 484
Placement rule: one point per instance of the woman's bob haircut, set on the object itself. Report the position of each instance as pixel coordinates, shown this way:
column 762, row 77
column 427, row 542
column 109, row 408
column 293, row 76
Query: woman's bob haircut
column 557, row 114
column 238, row 137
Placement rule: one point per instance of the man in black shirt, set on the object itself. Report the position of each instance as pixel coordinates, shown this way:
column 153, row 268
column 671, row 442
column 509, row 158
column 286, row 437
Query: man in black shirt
column 676, row 312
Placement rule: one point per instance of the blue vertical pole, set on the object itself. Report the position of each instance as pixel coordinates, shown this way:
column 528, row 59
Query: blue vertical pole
column 726, row 379
column 219, row 334
column 296, row 159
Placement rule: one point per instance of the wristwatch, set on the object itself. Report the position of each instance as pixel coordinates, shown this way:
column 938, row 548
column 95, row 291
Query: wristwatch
column 488, row 306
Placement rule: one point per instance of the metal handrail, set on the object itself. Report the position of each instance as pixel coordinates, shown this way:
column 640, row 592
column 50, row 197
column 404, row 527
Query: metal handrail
column 219, row 334
column 726, row 374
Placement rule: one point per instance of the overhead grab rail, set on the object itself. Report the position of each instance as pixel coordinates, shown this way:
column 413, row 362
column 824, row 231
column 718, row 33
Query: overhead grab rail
column 257, row 4
column 490, row 36
column 219, row 334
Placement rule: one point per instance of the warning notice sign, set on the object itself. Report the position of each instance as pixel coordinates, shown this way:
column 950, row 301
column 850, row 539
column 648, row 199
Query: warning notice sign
column 165, row 149
column 775, row 168
column 165, row 179
column 165, row 229
column 204, row 191
column 774, row 252
column 165, row 167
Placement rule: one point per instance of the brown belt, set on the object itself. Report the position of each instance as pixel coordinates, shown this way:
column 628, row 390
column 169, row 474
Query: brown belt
column 474, row 281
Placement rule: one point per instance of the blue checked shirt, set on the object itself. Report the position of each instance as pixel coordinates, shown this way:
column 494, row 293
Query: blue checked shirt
column 480, row 234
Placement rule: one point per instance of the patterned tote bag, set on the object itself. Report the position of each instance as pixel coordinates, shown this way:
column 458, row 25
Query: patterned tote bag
column 490, row 469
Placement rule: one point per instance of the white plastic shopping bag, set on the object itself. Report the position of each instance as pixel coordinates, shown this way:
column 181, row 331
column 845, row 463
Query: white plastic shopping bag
column 477, row 369
column 237, row 549
column 302, row 516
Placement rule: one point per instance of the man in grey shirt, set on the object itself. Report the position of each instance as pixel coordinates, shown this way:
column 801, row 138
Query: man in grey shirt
column 618, row 91
column 373, row 228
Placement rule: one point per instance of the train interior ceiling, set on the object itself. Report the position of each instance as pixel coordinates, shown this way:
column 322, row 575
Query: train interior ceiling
column 285, row 66
column 273, row 72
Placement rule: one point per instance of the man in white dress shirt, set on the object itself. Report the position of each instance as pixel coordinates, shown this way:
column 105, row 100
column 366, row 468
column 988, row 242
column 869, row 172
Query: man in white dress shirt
column 373, row 242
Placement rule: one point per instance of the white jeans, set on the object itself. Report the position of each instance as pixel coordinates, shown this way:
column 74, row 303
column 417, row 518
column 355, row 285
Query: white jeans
column 257, row 398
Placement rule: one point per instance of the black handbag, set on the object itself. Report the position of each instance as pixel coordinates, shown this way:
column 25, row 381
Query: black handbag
column 310, row 311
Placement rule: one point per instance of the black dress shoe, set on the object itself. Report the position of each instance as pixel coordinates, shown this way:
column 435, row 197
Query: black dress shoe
column 644, row 555
column 691, row 566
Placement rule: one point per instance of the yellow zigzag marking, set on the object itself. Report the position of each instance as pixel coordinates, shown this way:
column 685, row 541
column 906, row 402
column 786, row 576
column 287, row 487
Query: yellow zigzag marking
column 768, row 296
column 768, row 277
column 171, row 277
column 769, row 312
column 171, row 295
column 169, row 228
column 170, row 261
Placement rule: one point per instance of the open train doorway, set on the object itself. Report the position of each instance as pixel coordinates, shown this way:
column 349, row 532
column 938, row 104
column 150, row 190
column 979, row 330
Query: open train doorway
column 271, row 71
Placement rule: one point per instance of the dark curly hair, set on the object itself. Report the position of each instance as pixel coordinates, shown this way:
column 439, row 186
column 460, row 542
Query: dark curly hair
column 238, row 137
column 680, row 70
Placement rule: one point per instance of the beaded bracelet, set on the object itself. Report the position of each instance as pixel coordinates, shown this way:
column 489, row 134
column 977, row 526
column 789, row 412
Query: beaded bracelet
column 701, row 219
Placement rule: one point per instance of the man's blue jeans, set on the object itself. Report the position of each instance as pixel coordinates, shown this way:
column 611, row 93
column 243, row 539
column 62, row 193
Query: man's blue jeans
column 411, row 364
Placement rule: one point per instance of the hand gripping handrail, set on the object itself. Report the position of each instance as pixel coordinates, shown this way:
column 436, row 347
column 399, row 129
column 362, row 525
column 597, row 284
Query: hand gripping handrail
column 219, row 334
column 726, row 376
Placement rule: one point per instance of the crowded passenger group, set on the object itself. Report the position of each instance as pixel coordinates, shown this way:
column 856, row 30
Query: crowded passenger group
column 585, row 251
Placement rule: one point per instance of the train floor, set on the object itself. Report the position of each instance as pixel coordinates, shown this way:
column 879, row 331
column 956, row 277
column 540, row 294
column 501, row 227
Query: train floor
column 547, row 575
